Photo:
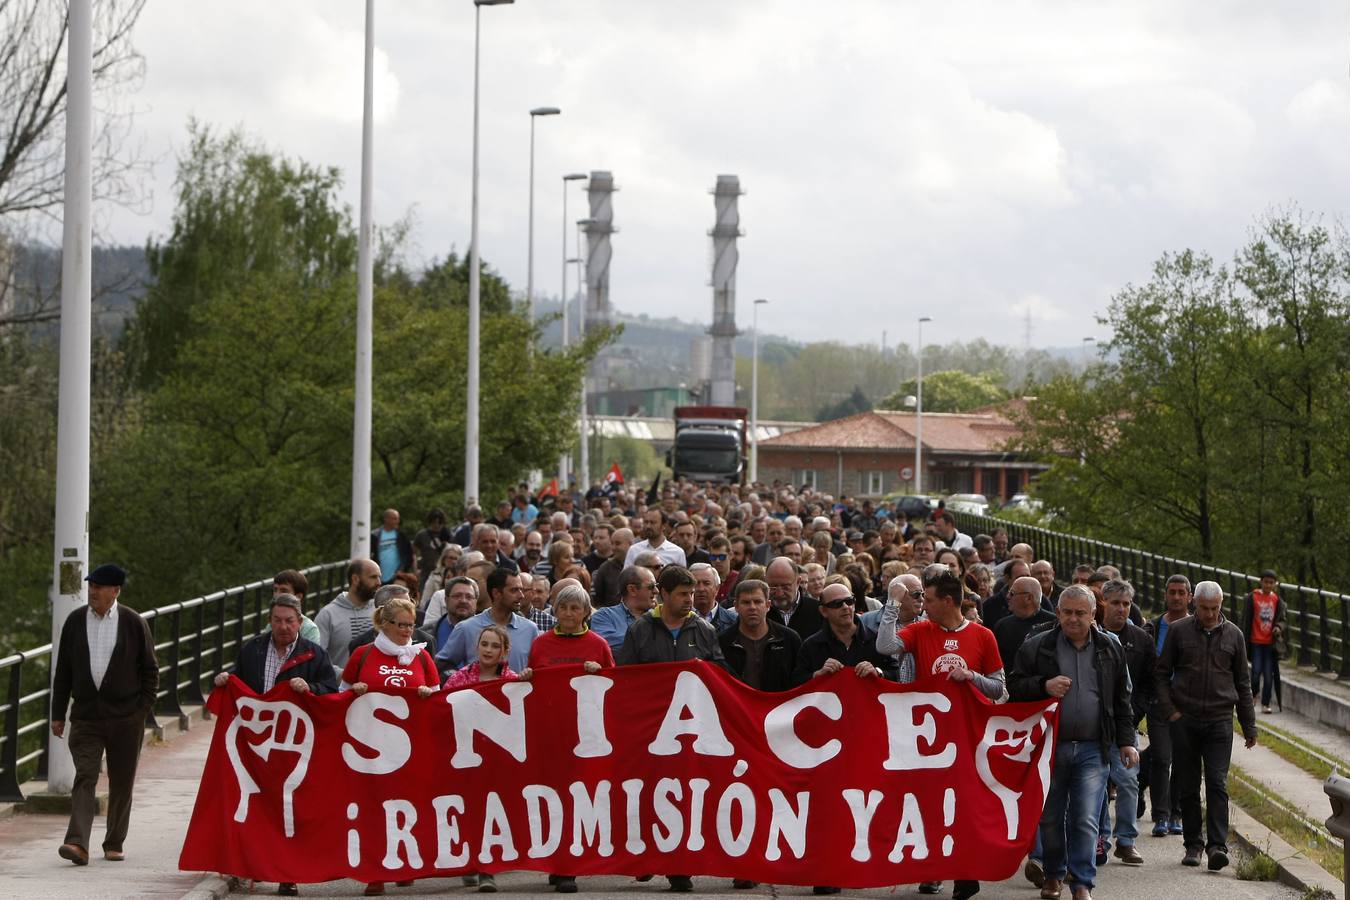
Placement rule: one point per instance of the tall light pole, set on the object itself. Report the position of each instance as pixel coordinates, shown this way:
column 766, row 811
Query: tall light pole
column 71, row 545
column 562, row 295
column 471, row 404
column 754, row 391
column 918, row 416
column 1087, row 342
column 365, row 307
column 529, row 265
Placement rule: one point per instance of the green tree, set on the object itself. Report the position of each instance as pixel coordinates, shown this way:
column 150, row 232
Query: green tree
column 1297, row 275
column 243, row 462
column 1140, row 444
column 949, row 391
column 240, row 467
column 241, row 212
column 855, row 402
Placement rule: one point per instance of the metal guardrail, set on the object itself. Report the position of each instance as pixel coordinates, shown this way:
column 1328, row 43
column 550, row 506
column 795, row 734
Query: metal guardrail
column 194, row 639
column 1318, row 622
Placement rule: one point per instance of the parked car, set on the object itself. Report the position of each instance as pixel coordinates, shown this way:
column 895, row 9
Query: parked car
column 974, row 504
column 914, row 506
column 1024, row 502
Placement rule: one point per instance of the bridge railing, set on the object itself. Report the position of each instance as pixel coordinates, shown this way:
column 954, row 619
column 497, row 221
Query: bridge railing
column 194, row 639
column 1317, row 622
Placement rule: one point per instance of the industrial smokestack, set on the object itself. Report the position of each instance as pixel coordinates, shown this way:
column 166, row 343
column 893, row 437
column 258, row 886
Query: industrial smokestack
column 726, row 230
column 598, row 252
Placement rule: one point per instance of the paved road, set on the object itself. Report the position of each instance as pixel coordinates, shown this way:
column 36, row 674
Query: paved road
column 167, row 786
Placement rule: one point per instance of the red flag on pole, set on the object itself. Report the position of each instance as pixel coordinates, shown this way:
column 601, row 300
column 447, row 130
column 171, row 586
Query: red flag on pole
column 613, row 479
column 551, row 490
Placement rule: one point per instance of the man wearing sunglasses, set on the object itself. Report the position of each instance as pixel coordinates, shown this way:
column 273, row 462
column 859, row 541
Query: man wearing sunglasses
column 906, row 595
column 719, row 555
column 843, row 642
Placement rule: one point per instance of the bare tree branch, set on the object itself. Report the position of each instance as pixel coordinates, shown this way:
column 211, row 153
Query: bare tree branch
column 33, row 98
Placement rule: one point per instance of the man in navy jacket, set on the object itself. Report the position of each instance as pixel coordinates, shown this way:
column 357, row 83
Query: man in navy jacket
column 281, row 654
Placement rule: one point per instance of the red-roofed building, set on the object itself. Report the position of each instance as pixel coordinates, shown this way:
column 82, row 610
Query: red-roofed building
column 866, row 454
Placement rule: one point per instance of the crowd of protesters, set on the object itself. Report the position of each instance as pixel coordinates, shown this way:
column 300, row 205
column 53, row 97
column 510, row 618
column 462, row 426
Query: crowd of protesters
column 781, row 586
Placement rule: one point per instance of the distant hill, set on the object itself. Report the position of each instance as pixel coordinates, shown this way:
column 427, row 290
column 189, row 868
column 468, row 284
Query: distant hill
column 119, row 278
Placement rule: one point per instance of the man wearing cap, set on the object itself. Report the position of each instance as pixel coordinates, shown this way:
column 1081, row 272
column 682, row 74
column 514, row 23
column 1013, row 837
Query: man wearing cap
column 105, row 662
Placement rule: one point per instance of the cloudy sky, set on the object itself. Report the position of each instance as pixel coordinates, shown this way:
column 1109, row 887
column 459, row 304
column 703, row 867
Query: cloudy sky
column 969, row 161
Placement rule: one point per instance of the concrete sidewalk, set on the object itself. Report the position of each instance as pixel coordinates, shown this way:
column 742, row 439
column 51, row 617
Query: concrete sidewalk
column 167, row 785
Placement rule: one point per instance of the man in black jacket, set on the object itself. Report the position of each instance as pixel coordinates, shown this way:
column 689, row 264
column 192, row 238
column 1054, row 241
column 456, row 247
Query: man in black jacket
column 1200, row 678
column 843, row 642
column 789, row 605
column 281, row 654
column 759, row 652
column 1027, row 614
column 1085, row 670
column 1116, row 602
column 105, row 662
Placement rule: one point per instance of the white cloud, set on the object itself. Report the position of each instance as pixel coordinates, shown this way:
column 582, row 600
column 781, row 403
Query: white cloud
column 976, row 159
column 1322, row 104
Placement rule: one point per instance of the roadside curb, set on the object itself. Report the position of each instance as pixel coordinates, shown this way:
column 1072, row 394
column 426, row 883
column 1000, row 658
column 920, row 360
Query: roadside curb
column 212, row 887
column 1292, row 868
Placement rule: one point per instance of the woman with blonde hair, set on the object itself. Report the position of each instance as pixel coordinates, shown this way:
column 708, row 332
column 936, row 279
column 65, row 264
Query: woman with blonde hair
column 444, row 571
column 392, row 663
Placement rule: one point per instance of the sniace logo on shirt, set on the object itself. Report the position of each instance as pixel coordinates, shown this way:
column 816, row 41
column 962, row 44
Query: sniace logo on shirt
column 948, row 662
column 395, row 676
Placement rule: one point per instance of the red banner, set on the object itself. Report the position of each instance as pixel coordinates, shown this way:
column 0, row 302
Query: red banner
column 673, row 768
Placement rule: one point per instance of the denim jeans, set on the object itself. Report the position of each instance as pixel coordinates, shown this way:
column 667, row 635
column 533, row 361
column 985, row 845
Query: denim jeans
column 1196, row 743
column 1161, row 796
column 1126, row 781
column 1069, row 821
column 1263, row 671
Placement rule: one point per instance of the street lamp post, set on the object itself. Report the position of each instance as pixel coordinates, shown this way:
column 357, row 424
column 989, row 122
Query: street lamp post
column 529, row 264
column 754, row 391
column 361, row 423
column 471, row 404
column 918, row 416
column 1087, row 341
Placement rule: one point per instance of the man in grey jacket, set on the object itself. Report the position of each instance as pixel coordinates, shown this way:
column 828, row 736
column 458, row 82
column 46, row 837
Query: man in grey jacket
column 672, row 631
column 1200, row 676
column 348, row 614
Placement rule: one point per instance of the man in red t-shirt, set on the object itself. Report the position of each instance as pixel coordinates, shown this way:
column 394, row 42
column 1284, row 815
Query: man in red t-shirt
column 1262, row 624
column 946, row 645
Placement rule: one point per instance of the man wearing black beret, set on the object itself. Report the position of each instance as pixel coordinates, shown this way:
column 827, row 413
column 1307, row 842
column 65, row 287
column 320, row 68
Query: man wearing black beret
column 106, row 663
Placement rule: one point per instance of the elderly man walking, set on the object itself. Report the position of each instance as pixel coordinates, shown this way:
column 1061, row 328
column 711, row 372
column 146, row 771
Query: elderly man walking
column 1086, row 671
column 1201, row 675
column 106, row 663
